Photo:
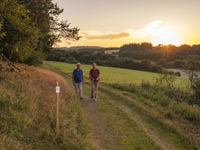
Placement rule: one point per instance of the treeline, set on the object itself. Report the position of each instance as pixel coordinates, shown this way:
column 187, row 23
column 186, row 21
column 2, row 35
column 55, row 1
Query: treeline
column 29, row 29
column 168, row 56
column 88, row 57
column 97, row 49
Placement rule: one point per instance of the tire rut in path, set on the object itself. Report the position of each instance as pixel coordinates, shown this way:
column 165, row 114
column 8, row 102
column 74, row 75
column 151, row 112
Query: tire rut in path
column 101, row 133
column 163, row 143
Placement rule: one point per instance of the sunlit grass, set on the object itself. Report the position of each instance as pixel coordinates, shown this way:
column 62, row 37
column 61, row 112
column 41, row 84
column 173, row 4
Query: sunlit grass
column 117, row 75
column 155, row 107
column 28, row 112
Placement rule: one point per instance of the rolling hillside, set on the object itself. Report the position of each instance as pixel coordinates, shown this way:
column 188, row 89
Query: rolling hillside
column 116, row 75
column 28, row 113
column 136, row 116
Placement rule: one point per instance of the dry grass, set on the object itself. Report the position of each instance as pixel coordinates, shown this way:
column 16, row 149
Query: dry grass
column 27, row 112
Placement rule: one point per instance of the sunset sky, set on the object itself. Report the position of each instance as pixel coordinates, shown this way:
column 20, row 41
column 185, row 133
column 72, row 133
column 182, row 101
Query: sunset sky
column 111, row 23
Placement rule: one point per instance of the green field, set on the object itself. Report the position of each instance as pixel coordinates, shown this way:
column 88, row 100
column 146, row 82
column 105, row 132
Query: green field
column 114, row 75
column 137, row 116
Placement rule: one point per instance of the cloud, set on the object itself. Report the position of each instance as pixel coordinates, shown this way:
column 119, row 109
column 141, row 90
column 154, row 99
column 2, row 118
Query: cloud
column 109, row 36
column 149, row 30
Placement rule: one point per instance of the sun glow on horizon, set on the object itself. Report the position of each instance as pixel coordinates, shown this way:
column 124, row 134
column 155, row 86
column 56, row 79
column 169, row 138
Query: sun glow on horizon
column 166, row 37
column 156, row 32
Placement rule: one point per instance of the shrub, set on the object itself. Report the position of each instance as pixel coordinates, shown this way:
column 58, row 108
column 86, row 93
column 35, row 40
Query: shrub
column 169, row 114
column 72, row 60
column 196, row 89
column 179, row 63
column 190, row 113
column 145, row 85
column 35, row 58
column 62, row 59
column 178, row 74
column 162, row 61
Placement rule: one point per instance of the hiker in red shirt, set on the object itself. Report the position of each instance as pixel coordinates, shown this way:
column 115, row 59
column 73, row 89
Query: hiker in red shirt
column 94, row 76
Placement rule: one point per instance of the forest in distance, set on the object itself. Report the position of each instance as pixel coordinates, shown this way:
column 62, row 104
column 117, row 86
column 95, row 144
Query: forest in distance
column 144, row 56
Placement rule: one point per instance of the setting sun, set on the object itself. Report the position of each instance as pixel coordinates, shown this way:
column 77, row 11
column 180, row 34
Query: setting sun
column 167, row 37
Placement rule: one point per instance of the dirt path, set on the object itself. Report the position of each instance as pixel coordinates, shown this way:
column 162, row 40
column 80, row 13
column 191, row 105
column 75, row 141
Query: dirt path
column 152, row 133
column 101, row 132
column 165, row 145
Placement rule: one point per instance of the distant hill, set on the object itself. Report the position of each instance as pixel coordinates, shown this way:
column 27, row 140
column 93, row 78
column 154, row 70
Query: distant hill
column 80, row 47
column 89, row 48
column 85, row 47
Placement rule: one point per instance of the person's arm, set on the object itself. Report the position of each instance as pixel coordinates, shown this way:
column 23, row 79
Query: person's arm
column 82, row 78
column 98, row 76
column 73, row 78
column 91, row 76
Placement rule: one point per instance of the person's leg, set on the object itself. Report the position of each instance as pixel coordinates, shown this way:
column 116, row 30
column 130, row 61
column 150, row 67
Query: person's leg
column 96, row 89
column 80, row 90
column 76, row 88
column 92, row 89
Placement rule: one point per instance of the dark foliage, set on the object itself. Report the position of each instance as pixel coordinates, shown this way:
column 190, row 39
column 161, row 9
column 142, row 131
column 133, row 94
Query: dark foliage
column 167, row 56
column 88, row 57
column 30, row 28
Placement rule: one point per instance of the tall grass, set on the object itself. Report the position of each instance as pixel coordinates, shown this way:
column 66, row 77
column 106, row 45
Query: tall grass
column 164, row 97
column 28, row 113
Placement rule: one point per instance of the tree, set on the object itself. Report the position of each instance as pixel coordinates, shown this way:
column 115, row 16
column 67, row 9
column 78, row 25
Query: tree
column 21, row 33
column 145, row 65
column 45, row 15
column 162, row 61
column 191, row 69
column 2, row 34
column 1, row 21
column 196, row 89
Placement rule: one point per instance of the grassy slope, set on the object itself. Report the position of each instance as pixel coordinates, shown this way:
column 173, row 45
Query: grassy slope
column 27, row 113
column 127, row 133
column 152, row 113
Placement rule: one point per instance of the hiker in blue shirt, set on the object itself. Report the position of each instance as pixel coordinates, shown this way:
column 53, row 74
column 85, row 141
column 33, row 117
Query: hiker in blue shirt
column 78, row 79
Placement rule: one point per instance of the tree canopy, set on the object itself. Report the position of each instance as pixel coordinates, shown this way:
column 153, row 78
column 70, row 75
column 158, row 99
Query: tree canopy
column 30, row 28
column 20, row 32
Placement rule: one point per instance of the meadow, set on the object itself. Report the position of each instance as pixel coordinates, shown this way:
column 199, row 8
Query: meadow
column 128, row 114
column 131, row 97
column 111, row 75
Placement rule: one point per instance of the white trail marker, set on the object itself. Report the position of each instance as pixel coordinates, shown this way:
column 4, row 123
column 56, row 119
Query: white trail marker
column 57, row 113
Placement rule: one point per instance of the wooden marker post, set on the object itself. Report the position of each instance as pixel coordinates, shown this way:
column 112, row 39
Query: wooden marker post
column 57, row 112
